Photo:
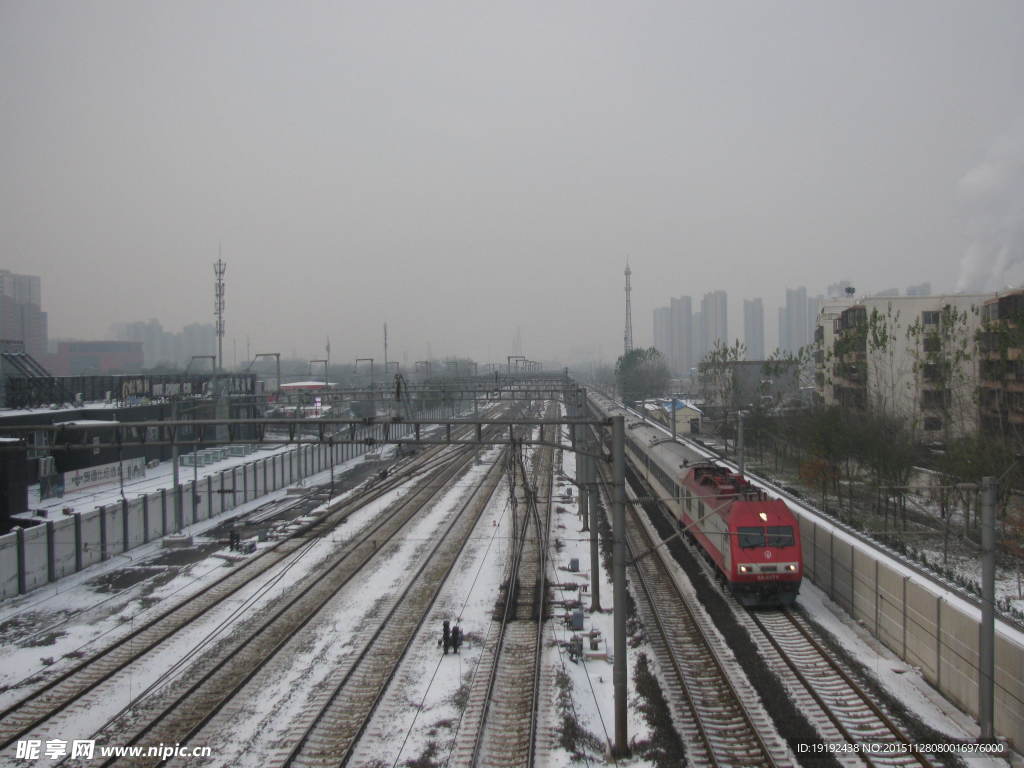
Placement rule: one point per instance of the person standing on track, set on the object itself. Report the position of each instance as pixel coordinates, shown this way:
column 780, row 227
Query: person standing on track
column 446, row 636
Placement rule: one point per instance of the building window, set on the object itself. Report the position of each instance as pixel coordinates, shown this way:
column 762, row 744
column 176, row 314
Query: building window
column 934, row 398
column 932, row 424
column 930, row 318
column 38, row 445
column 932, row 343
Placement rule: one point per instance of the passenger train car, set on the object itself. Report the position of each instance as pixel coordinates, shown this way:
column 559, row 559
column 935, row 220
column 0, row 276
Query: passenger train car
column 753, row 540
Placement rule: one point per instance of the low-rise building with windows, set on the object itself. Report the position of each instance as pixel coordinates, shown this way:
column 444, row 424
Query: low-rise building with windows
column 911, row 356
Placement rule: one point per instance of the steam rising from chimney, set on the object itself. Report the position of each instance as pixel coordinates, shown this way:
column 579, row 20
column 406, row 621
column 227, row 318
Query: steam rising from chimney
column 993, row 195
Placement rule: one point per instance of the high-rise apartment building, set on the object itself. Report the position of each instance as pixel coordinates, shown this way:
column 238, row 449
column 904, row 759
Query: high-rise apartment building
column 159, row 346
column 672, row 334
column 681, row 317
column 698, row 342
column 753, row 328
column 795, row 321
column 714, row 309
column 21, row 314
column 663, row 333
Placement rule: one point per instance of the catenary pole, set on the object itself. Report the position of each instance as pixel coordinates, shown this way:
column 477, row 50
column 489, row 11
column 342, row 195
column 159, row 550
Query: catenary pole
column 739, row 441
column 176, row 498
column 619, row 580
column 986, row 645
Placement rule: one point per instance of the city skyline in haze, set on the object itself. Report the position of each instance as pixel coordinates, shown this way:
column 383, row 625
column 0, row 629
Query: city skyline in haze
column 476, row 174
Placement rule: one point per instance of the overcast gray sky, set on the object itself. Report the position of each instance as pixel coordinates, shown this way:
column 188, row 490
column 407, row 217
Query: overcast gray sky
column 460, row 169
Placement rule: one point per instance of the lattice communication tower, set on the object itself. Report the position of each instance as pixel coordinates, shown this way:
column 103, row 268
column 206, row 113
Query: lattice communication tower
column 627, row 336
column 218, row 308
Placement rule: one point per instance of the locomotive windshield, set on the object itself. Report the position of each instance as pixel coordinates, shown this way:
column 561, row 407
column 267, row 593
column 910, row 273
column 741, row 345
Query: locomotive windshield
column 780, row 536
column 751, row 536
column 777, row 536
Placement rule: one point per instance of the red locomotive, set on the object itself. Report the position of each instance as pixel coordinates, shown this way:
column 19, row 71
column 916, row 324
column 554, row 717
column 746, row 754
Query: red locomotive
column 753, row 541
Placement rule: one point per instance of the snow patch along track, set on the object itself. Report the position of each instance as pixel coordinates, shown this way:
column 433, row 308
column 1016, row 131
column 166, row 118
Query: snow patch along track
column 499, row 727
column 335, row 718
column 849, row 714
column 177, row 713
column 714, row 707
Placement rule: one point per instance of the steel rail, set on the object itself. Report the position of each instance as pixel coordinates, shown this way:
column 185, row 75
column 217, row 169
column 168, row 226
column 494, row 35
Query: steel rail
column 388, row 622
column 99, row 667
column 279, row 627
column 713, row 750
column 475, row 749
column 842, row 724
column 507, row 616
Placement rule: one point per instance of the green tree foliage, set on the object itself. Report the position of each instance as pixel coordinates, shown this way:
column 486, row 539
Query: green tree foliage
column 641, row 374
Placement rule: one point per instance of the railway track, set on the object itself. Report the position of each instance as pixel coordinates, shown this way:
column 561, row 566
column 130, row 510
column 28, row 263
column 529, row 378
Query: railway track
column 62, row 692
column 214, row 679
column 336, row 717
column 838, row 707
column 499, row 725
column 836, row 704
column 714, row 708
column 845, row 712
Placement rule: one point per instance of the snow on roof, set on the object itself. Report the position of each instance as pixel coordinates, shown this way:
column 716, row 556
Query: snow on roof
column 306, row 385
column 87, row 423
column 682, row 405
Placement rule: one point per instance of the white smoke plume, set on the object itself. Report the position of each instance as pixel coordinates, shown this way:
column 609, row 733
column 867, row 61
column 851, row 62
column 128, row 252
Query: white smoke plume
column 993, row 196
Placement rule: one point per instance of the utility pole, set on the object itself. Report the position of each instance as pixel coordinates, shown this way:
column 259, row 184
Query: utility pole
column 330, row 447
column 739, row 441
column 178, row 522
column 986, row 645
column 588, row 507
column 619, row 681
column 385, row 348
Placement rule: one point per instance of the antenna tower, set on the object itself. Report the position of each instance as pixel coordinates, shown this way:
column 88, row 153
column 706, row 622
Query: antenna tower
column 218, row 308
column 627, row 336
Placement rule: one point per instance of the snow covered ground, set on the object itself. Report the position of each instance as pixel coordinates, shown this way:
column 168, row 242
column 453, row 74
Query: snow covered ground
column 156, row 478
column 46, row 630
column 315, row 657
column 903, row 682
column 420, row 712
column 590, row 679
column 419, row 715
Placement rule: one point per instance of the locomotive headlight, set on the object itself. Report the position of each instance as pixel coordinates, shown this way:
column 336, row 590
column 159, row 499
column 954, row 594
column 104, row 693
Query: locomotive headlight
column 744, row 569
column 763, row 516
column 791, row 567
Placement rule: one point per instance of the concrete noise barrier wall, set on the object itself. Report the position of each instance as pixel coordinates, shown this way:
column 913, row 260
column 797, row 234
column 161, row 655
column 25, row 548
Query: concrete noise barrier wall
column 917, row 620
column 32, row 557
